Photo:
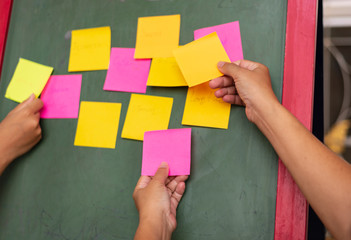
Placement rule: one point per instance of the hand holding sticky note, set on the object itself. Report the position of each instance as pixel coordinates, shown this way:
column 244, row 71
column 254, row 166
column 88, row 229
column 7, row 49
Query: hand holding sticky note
column 198, row 60
column 29, row 78
column 172, row 146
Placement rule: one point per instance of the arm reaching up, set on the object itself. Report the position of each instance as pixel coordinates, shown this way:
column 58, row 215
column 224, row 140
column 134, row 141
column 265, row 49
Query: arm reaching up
column 323, row 177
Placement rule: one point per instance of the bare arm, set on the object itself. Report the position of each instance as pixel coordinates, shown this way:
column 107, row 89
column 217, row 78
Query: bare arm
column 323, row 177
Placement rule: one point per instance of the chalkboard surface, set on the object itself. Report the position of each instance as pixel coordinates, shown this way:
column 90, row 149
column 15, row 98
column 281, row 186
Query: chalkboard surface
column 58, row 191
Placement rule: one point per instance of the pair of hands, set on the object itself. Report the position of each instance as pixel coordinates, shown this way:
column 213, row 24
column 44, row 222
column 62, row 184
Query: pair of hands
column 244, row 83
column 20, row 131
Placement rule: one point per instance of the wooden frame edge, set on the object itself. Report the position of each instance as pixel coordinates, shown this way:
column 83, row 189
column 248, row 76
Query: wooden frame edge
column 5, row 14
column 298, row 85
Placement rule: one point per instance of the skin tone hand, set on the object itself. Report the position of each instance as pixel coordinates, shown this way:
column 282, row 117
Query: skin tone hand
column 20, row 131
column 248, row 85
column 323, row 177
column 157, row 199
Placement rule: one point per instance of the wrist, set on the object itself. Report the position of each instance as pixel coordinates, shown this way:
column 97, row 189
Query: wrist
column 5, row 160
column 6, row 156
column 156, row 227
column 269, row 117
column 265, row 110
column 5, row 153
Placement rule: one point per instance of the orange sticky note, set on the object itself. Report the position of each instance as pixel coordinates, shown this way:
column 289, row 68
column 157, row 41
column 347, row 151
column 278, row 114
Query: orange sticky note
column 157, row 36
column 164, row 72
column 90, row 49
column 198, row 60
column 202, row 108
column 146, row 113
column 98, row 124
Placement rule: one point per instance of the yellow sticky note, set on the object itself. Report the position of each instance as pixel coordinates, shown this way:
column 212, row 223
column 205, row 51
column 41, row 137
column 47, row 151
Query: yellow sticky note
column 157, row 36
column 29, row 77
column 98, row 124
column 164, row 72
column 90, row 49
column 202, row 108
column 198, row 60
column 146, row 113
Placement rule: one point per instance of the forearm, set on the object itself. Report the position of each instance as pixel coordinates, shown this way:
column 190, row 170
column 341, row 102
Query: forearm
column 5, row 157
column 323, row 177
column 153, row 230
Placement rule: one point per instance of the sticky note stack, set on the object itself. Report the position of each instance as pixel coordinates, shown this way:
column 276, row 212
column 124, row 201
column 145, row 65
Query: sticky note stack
column 128, row 70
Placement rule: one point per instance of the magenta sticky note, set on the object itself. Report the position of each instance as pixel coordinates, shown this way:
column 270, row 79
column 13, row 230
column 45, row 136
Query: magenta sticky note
column 172, row 146
column 126, row 74
column 229, row 34
column 61, row 96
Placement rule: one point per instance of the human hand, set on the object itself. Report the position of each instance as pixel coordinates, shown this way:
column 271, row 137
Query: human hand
column 157, row 199
column 245, row 83
column 20, row 131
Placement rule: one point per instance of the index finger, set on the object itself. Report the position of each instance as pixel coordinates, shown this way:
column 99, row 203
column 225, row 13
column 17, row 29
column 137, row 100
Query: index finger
column 221, row 82
column 172, row 185
column 249, row 65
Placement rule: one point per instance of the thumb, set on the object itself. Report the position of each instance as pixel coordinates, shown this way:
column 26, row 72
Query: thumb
column 26, row 102
column 162, row 173
column 230, row 69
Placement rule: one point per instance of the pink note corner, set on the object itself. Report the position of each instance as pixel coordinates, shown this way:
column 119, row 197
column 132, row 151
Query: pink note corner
column 172, row 146
column 229, row 34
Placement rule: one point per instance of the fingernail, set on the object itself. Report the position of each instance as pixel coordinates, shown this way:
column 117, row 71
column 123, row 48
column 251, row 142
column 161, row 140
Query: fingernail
column 31, row 97
column 220, row 64
column 163, row 165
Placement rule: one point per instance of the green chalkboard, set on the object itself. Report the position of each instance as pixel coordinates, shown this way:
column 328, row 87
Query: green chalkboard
column 58, row 191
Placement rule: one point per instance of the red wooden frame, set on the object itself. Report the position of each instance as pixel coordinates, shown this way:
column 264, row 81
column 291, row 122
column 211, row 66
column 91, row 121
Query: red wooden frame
column 291, row 206
column 5, row 13
column 298, row 85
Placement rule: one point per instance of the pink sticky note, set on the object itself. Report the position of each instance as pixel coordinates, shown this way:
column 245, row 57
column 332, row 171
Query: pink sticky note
column 126, row 74
column 61, row 96
column 229, row 34
column 172, row 146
